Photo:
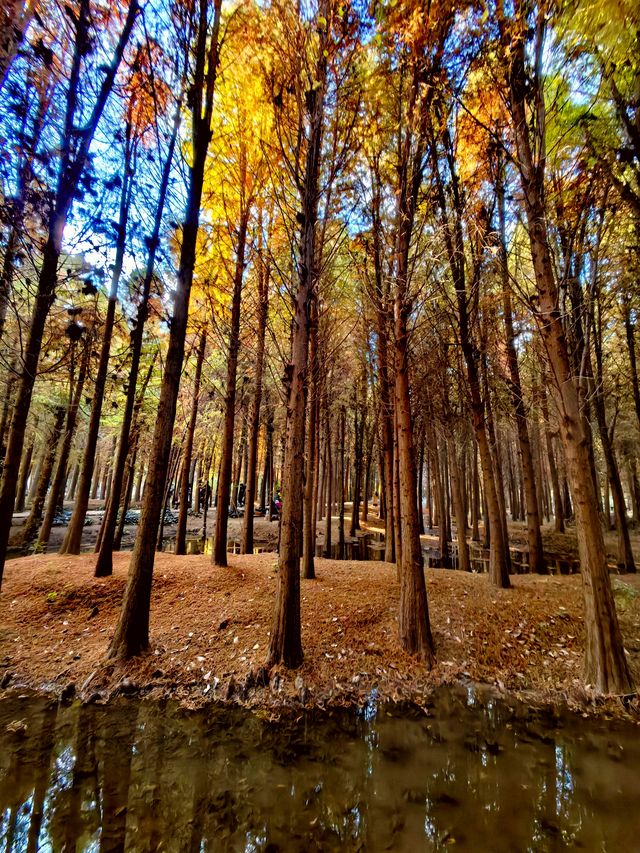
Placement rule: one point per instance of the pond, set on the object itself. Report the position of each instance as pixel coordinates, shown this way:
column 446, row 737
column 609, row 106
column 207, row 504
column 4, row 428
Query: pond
column 471, row 772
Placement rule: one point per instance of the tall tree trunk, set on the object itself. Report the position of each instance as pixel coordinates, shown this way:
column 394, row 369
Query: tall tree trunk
column 104, row 563
column 629, row 328
column 605, row 663
column 224, row 483
column 358, row 427
column 286, row 644
column 534, row 536
column 414, row 626
column 328, row 522
column 126, row 496
column 132, row 631
column 558, row 513
column 181, row 531
column 308, row 547
column 28, row 530
column 458, row 504
column 71, row 541
column 57, row 487
column 421, row 485
column 625, row 554
column 381, row 303
column 72, row 163
column 25, row 467
column 254, row 431
column 341, row 428
column 475, row 497
column 454, row 242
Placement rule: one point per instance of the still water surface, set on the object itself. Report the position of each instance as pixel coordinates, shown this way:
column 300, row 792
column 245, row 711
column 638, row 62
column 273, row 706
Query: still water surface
column 468, row 775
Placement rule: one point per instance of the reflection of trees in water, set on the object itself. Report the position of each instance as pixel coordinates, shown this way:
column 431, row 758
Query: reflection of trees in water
column 24, row 781
column 142, row 776
column 72, row 816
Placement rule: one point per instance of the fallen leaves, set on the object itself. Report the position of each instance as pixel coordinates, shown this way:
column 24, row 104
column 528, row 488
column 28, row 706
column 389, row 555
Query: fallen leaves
column 208, row 627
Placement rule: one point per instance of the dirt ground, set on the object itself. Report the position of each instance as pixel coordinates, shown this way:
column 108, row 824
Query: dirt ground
column 210, row 631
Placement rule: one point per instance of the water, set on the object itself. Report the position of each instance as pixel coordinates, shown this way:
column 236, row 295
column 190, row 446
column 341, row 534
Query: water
column 195, row 545
column 370, row 546
column 483, row 777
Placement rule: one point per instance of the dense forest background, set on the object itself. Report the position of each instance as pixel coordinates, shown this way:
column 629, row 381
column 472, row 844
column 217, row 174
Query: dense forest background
column 384, row 255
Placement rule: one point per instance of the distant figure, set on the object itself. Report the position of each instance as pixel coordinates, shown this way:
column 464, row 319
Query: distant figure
column 275, row 507
column 241, row 493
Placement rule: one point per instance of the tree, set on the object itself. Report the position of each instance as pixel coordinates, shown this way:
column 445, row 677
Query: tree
column 605, row 664
column 285, row 645
column 74, row 148
column 132, row 631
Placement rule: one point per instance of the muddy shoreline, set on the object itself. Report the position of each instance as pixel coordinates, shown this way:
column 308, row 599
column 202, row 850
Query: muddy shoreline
column 210, row 631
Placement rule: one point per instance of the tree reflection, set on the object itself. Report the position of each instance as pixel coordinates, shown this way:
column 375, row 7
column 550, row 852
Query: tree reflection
column 137, row 776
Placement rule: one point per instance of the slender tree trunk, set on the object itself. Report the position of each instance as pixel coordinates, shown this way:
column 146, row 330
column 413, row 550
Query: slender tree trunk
column 73, row 536
column 308, row 548
column 625, row 554
column 631, row 347
column 71, row 491
column 558, row 513
column 132, row 631
column 286, row 645
column 605, row 663
column 414, row 626
column 534, row 536
column 497, row 467
column 342, row 427
column 475, row 496
column 175, row 458
column 357, row 438
column 28, row 530
column 104, row 563
column 328, row 524
column 25, row 468
column 224, row 483
column 126, row 497
column 421, row 486
column 454, row 241
column 458, row 504
column 57, row 487
column 254, row 432
column 181, row 531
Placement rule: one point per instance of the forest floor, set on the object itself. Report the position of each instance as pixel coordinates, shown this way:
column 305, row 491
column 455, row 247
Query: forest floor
column 210, row 632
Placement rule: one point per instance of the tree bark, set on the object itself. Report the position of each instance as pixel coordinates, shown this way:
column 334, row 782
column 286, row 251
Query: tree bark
column 25, row 467
column 224, row 482
column 606, row 667
column 534, row 536
column 132, row 631
column 328, row 522
column 254, row 432
column 181, row 531
column 104, row 563
column 57, row 487
column 286, row 644
column 73, row 536
column 458, row 504
column 72, row 163
column 27, row 532
column 308, row 548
